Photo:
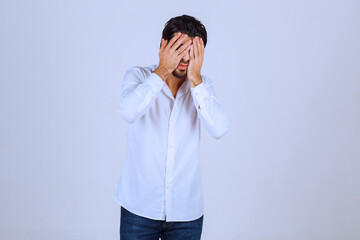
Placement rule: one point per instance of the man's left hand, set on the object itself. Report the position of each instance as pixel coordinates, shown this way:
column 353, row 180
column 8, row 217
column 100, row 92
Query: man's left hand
column 196, row 60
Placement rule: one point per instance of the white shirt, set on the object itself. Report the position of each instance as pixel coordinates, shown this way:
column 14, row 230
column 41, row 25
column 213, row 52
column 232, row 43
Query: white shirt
column 161, row 175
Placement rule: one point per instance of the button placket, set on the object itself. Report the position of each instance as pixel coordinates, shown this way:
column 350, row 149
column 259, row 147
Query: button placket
column 169, row 161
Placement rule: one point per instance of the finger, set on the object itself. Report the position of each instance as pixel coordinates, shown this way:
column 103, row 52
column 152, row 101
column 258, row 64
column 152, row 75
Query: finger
column 184, row 53
column 176, row 37
column 197, row 53
column 179, row 42
column 197, row 47
column 183, row 47
column 202, row 48
column 195, row 50
column 192, row 56
column 163, row 45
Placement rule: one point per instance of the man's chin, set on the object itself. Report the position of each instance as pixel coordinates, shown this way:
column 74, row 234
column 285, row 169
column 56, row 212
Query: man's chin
column 179, row 73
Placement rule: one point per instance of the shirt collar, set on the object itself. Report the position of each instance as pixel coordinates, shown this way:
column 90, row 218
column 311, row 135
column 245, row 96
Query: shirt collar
column 184, row 88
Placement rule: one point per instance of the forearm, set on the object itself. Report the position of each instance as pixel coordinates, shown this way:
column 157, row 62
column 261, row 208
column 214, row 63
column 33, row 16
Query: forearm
column 213, row 117
column 134, row 103
column 210, row 112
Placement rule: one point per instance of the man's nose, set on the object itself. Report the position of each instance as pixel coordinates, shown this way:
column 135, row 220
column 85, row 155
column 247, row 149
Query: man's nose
column 186, row 58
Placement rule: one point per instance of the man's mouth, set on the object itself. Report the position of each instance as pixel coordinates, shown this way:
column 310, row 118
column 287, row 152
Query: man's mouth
column 183, row 66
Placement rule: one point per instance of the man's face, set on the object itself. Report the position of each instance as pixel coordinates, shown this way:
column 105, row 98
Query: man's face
column 181, row 70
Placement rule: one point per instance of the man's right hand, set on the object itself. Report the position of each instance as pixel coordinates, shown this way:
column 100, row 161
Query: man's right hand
column 171, row 53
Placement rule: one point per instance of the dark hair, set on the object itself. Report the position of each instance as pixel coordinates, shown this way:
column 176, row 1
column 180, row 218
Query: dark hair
column 184, row 24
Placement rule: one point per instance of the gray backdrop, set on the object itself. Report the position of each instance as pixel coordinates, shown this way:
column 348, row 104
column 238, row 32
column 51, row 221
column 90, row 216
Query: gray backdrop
column 286, row 72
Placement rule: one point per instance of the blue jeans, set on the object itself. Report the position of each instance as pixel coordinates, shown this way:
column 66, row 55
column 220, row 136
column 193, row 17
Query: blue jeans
column 134, row 227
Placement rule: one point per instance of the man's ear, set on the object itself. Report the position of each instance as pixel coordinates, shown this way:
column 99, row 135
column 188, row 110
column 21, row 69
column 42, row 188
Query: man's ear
column 162, row 42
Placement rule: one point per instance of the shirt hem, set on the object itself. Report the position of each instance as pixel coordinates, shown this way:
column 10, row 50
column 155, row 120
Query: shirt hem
column 163, row 219
column 130, row 210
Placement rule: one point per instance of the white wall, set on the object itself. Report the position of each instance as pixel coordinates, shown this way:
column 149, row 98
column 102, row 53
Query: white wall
column 286, row 72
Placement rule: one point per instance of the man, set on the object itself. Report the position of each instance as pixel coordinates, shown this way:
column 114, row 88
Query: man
column 160, row 190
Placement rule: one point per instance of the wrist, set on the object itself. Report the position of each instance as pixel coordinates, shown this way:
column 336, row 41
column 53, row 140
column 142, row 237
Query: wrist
column 195, row 80
column 162, row 72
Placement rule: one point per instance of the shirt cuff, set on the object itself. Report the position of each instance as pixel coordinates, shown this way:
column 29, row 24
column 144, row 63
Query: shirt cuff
column 200, row 91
